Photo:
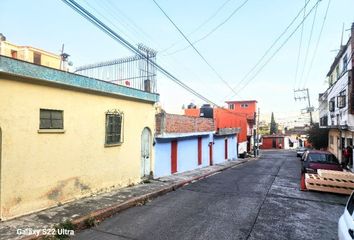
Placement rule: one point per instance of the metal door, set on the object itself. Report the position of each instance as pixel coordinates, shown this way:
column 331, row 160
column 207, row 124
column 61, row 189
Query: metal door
column 274, row 143
column 174, row 146
column 145, row 152
column 211, row 153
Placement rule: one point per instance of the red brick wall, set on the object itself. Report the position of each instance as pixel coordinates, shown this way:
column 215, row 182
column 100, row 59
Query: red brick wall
column 173, row 123
column 224, row 118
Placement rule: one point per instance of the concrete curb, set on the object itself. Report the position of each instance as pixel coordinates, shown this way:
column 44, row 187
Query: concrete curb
column 99, row 215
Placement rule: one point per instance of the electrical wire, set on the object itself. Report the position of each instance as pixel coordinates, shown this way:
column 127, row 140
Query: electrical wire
column 213, row 30
column 270, row 48
column 115, row 12
column 195, row 49
column 278, row 49
column 199, row 26
column 98, row 23
column 300, row 48
column 317, row 43
column 308, row 45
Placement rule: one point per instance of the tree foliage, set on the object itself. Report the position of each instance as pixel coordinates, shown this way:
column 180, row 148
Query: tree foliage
column 273, row 126
column 318, row 137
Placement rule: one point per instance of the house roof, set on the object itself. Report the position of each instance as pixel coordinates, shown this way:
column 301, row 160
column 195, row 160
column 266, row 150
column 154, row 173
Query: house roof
column 274, row 136
column 342, row 50
column 167, row 123
column 227, row 131
column 47, row 75
column 182, row 135
column 244, row 101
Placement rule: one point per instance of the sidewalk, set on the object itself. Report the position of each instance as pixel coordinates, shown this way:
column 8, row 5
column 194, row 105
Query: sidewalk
column 85, row 212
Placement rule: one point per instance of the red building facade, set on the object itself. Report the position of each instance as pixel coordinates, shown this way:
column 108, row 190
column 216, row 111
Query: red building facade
column 272, row 142
column 238, row 114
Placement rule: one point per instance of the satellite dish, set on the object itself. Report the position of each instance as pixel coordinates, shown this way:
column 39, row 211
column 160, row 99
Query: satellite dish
column 70, row 63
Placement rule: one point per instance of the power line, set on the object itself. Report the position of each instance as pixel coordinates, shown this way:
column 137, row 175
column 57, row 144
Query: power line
column 195, row 49
column 83, row 12
column 300, row 46
column 128, row 21
column 213, row 30
column 269, row 49
column 200, row 26
column 278, row 49
column 90, row 17
column 308, row 45
column 317, row 43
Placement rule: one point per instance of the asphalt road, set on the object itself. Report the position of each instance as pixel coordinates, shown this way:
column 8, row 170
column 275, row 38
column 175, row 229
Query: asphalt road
column 256, row 200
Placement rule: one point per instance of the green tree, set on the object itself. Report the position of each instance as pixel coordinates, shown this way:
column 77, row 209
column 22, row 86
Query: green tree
column 273, row 125
column 318, row 137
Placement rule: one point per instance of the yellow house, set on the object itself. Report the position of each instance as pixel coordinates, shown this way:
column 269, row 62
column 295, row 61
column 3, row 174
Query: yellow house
column 29, row 54
column 64, row 136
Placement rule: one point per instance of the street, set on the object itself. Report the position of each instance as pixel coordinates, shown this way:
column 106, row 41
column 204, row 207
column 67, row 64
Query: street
column 256, row 200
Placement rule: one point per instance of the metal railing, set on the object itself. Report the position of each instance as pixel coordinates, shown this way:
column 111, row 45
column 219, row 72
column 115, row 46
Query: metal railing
column 135, row 72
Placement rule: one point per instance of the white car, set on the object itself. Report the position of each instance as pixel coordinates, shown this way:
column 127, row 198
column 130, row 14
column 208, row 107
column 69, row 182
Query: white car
column 300, row 151
column 346, row 221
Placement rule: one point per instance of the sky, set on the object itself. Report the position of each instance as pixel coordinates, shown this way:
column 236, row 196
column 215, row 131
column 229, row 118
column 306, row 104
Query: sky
column 232, row 50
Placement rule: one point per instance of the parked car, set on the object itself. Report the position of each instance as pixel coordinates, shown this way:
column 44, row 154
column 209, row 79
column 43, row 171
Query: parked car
column 314, row 159
column 346, row 221
column 300, row 151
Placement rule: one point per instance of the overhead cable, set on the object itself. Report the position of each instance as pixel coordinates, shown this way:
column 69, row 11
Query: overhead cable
column 213, row 30
column 270, row 48
column 195, row 49
column 79, row 9
column 278, row 49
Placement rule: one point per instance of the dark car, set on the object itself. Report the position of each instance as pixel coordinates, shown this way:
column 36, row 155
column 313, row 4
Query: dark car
column 313, row 160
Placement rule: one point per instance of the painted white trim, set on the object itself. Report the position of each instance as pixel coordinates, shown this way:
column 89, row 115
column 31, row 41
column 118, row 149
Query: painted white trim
column 177, row 135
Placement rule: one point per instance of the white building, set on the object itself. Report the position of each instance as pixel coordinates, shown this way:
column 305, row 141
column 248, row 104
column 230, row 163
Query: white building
column 336, row 104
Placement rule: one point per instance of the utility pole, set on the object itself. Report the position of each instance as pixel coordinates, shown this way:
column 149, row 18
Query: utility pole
column 61, row 56
column 303, row 94
column 310, row 109
column 257, row 132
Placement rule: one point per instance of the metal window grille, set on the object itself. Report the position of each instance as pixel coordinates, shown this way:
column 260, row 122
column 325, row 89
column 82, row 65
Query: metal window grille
column 114, row 126
column 345, row 64
column 331, row 105
column 341, row 100
column 51, row 119
column 136, row 71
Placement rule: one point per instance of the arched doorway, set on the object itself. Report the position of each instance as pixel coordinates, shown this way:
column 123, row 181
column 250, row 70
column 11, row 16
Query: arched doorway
column 145, row 153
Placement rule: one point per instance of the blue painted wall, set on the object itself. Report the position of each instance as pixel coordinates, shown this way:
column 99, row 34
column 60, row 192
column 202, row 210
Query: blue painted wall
column 187, row 155
column 219, row 150
column 162, row 166
column 232, row 147
column 205, row 151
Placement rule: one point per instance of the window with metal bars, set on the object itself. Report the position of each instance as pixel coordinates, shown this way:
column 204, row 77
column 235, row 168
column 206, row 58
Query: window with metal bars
column 331, row 105
column 341, row 103
column 51, row 119
column 114, row 126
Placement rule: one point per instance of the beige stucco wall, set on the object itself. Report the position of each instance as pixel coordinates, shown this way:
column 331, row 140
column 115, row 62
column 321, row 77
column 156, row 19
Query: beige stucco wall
column 25, row 53
column 39, row 170
column 333, row 146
